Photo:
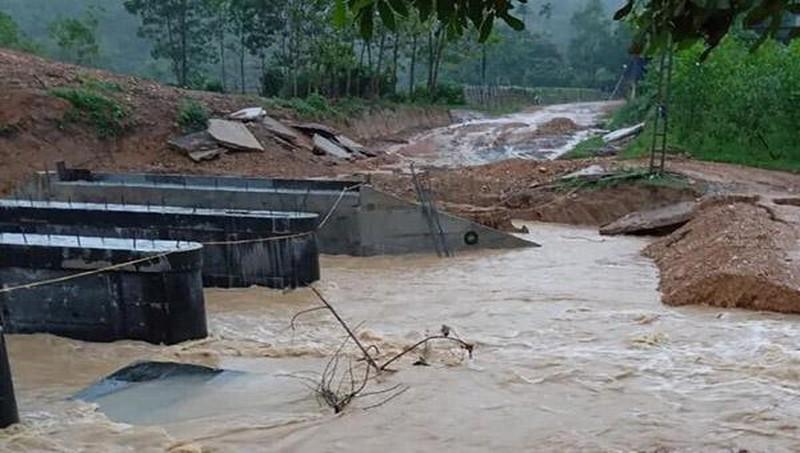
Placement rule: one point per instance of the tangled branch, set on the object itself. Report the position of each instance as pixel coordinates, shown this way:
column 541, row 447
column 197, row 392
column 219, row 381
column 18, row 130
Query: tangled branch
column 338, row 388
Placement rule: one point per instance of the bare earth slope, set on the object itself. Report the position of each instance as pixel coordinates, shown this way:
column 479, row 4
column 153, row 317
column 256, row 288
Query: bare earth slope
column 35, row 129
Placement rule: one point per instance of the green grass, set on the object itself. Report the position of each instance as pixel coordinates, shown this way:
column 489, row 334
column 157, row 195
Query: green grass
column 192, row 115
column 585, row 149
column 102, row 86
column 624, row 177
column 90, row 106
column 715, row 150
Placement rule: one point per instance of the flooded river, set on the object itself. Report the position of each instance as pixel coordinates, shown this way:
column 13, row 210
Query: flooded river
column 523, row 135
column 574, row 352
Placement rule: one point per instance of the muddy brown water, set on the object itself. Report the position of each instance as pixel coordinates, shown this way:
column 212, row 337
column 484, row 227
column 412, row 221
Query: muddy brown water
column 515, row 136
column 574, row 352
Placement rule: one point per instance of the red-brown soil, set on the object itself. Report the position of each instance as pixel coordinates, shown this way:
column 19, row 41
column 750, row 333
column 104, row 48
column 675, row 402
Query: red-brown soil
column 737, row 255
column 34, row 132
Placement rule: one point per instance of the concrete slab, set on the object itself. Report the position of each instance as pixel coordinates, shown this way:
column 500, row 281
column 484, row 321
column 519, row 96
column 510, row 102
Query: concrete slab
column 249, row 114
column 365, row 221
column 324, row 146
column 280, row 129
column 656, row 222
column 622, row 134
column 592, row 172
column 157, row 298
column 233, row 135
column 243, row 247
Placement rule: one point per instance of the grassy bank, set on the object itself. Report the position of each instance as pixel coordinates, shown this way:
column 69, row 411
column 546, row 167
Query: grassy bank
column 738, row 107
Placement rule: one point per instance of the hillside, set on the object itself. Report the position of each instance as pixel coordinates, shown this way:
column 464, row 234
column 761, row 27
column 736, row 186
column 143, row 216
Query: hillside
column 38, row 128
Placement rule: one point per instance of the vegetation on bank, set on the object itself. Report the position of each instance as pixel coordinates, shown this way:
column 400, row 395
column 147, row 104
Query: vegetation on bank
column 585, row 149
column 625, row 177
column 93, row 103
column 738, row 106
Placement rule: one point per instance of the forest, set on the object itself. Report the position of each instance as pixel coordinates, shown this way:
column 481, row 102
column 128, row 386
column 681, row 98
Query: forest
column 293, row 48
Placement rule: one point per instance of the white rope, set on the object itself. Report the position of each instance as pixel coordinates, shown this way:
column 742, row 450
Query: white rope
column 164, row 255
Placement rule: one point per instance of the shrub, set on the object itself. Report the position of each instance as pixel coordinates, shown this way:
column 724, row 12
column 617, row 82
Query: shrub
column 738, row 106
column 106, row 114
column 192, row 115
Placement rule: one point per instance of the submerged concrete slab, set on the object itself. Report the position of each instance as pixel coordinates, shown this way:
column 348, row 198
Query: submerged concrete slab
column 242, row 247
column 361, row 220
column 127, row 290
column 159, row 392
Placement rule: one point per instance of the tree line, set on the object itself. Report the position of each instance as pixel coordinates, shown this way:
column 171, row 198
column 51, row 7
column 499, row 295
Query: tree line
column 292, row 48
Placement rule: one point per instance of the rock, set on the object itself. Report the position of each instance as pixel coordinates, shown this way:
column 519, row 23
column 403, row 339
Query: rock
column 199, row 146
column 233, row 135
column 656, row 222
column 280, row 129
column 591, row 173
column 316, row 129
column 249, row 114
column 622, row 134
column 324, row 146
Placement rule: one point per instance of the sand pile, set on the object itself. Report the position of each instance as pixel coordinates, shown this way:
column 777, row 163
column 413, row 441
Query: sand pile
column 737, row 255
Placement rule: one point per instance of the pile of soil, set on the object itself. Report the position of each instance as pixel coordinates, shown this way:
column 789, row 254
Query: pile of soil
column 531, row 190
column 558, row 126
column 737, row 255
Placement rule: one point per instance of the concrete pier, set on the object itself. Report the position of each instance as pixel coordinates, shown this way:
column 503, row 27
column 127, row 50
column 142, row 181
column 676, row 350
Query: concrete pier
column 9, row 414
column 157, row 298
column 241, row 247
column 365, row 221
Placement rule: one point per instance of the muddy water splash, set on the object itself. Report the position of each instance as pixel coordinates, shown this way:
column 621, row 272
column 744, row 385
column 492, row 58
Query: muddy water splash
column 520, row 135
column 575, row 352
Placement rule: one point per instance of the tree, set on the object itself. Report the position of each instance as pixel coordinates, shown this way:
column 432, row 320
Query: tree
column 9, row 31
column 596, row 51
column 76, row 37
column 454, row 16
column 180, row 31
column 662, row 23
column 12, row 37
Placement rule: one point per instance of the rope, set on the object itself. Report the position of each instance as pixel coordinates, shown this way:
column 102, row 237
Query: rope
column 85, row 274
column 336, row 205
column 67, row 278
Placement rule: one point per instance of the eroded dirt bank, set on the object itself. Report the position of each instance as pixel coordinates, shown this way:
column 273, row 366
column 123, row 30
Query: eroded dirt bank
column 495, row 193
column 732, row 255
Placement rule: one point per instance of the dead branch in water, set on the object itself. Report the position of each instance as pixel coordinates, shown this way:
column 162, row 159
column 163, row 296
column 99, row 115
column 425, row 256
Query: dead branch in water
column 338, row 389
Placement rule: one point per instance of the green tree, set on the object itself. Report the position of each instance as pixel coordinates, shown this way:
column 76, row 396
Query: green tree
column 76, row 37
column 11, row 36
column 180, row 32
column 597, row 51
column 9, row 31
column 662, row 23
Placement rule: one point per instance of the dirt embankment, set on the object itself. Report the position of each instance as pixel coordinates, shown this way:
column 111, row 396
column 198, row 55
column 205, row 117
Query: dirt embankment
column 494, row 194
column 36, row 130
column 737, row 255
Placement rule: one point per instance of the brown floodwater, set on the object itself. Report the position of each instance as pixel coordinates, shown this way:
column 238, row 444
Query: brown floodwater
column 574, row 352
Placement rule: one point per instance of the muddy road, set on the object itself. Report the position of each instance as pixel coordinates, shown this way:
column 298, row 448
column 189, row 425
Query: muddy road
column 541, row 133
column 574, row 352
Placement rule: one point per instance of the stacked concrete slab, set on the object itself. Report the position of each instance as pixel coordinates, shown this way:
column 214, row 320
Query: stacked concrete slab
column 100, row 289
column 359, row 220
column 241, row 248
